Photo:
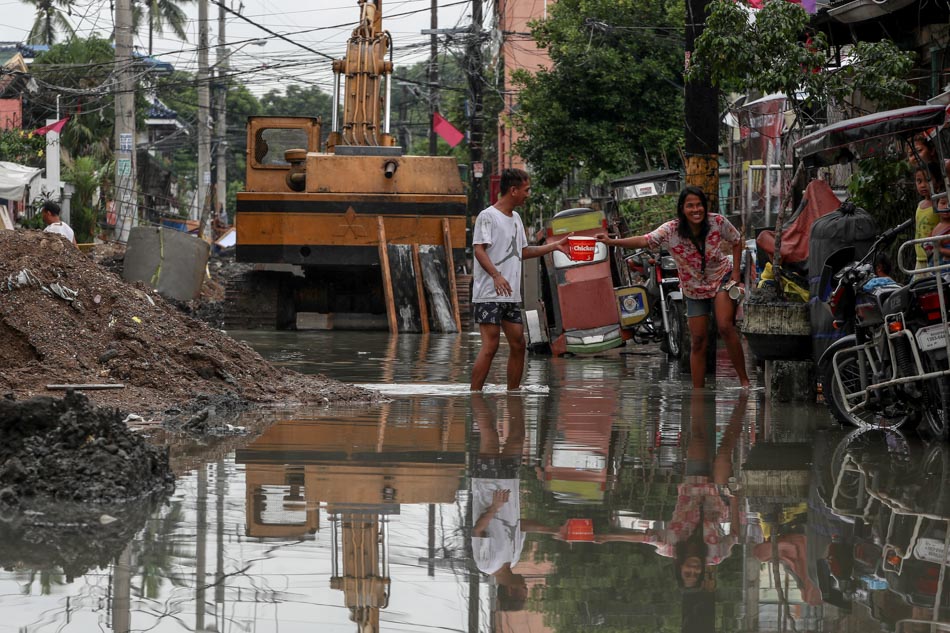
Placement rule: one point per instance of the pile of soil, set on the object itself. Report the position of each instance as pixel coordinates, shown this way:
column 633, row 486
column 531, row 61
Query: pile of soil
column 66, row 320
column 74, row 538
column 69, row 451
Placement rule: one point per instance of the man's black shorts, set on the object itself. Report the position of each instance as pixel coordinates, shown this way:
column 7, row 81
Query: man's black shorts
column 494, row 312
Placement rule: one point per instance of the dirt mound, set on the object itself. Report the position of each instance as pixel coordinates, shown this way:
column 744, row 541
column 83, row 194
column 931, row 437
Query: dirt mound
column 67, row 450
column 65, row 319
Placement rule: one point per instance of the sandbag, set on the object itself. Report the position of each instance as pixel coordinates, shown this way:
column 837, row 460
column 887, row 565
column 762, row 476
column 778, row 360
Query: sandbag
column 848, row 226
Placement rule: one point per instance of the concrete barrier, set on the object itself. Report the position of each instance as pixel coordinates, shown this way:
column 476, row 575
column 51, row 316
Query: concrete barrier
column 170, row 261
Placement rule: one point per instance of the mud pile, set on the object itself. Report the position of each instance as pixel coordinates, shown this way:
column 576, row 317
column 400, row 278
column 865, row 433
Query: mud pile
column 69, row 451
column 65, row 319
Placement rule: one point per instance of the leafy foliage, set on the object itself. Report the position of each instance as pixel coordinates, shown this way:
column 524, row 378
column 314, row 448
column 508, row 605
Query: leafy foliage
column 22, row 147
column 50, row 21
column 614, row 91
column 776, row 52
column 646, row 214
column 81, row 69
column 86, row 175
column 884, row 187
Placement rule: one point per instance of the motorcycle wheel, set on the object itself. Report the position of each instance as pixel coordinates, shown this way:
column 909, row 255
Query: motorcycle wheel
column 674, row 341
column 849, row 365
column 936, row 409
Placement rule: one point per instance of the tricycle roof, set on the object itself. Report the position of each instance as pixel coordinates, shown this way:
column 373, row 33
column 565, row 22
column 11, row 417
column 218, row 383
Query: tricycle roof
column 863, row 136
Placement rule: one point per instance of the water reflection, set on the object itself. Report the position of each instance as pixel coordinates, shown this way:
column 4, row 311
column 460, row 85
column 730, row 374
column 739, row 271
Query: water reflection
column 610, row 496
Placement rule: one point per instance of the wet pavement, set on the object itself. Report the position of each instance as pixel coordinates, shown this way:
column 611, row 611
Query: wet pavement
column 606, row 495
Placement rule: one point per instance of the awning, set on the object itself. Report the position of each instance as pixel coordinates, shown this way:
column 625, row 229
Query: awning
column 14, row 179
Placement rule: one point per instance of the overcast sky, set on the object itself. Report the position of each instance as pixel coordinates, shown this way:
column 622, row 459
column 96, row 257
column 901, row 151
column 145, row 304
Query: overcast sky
column 321, row 25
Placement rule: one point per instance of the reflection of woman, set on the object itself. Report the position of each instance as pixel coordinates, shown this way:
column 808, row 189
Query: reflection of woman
column 697, row 240
column 697, row 536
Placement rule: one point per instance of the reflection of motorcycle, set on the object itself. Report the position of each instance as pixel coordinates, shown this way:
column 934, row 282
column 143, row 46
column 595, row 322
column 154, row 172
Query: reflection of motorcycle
column 897, row 494
column 666, row 317
column 893, row 368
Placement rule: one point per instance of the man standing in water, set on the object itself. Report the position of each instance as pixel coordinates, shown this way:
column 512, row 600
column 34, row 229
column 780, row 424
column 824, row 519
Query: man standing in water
column 500, row 245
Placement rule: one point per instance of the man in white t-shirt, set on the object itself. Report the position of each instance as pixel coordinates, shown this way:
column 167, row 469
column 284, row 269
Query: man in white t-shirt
column 500, row 245
column 53, row 224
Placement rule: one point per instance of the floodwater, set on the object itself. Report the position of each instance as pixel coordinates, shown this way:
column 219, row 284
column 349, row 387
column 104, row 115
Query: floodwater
column 562, row 508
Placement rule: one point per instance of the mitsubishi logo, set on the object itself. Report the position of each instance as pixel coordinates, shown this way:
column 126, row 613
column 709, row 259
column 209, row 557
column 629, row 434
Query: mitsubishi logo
column 351, row 225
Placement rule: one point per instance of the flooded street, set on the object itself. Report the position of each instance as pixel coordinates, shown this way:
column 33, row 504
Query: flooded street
column 606, row 495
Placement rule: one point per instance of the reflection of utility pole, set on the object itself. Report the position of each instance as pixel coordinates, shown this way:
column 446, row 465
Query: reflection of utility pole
column 125, row 196
column 221, row 129
column 201, row 534
column 433, row 77
column 475, row 132
column 204, row 112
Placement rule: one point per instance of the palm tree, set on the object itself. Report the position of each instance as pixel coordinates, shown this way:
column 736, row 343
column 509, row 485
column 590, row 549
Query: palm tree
column 161, row 13
column 50, row 18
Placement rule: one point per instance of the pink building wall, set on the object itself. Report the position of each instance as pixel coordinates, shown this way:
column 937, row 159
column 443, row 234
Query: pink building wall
column 517, row 52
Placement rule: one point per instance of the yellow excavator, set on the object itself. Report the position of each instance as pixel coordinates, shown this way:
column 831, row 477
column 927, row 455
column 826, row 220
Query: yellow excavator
column 349, row 233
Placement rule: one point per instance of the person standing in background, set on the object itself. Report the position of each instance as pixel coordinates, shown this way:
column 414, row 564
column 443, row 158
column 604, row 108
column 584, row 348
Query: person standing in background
column 54, row 224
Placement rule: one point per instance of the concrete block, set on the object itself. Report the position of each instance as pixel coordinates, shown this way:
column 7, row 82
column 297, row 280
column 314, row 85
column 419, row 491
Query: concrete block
column 790, row 380
column 170, row 261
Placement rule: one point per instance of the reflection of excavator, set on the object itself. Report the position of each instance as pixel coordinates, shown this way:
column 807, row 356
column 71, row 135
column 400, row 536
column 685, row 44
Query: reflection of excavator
column 351, row 234
column 358, row 472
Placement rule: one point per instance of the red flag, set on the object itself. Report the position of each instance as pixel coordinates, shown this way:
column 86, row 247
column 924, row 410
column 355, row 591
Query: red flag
column 52, row 127
column 446, row 130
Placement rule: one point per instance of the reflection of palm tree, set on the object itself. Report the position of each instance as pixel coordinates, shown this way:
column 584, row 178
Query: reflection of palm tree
column 161, row 13
column 157, row 553
column 49, row 19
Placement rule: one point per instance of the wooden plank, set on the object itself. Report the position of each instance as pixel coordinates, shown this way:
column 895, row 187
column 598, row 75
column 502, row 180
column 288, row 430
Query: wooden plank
column 450, row 266
column 387, row 278
column 420, row 291
column 86, row 387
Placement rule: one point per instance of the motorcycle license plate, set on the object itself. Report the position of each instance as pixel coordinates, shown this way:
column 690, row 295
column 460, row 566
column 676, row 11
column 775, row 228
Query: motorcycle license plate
column 930, row 549
column 931, row 337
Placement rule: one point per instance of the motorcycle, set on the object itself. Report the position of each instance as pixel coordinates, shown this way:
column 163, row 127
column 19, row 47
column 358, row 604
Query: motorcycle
column 666, row 317
column 893, row 368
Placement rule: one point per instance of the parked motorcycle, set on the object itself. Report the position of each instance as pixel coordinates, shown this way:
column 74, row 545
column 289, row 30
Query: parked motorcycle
column 666, row 319
column 893, row 368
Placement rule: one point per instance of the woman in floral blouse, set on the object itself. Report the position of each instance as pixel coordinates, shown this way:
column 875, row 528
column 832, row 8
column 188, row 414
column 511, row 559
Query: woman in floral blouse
column 701, row 244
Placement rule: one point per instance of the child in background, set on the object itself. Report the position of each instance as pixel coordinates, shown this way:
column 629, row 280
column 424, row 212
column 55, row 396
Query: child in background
column 941, row 228
column 926, row 177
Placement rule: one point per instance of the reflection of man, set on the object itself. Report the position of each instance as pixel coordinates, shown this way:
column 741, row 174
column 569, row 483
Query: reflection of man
column 498, row 531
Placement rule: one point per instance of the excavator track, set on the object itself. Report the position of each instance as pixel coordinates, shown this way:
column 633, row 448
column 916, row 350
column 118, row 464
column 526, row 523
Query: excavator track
column 252, row 300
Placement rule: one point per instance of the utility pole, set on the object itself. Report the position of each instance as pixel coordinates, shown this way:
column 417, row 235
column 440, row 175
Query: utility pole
column 204, row 113
column 433, row 77
column 125, row 201
column 221, row 125
column 702, row 116
column 475, row 130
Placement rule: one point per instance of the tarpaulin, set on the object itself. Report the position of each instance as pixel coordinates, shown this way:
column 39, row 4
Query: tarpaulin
column 15, row 178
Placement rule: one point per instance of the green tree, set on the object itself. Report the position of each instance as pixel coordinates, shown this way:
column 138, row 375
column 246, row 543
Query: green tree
column 78, row 75
column 162, row 13
column 50, row 20
column 777, row 52
column 22, row 147
column 86, row 174
column 297, row 100
column 614, row 90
